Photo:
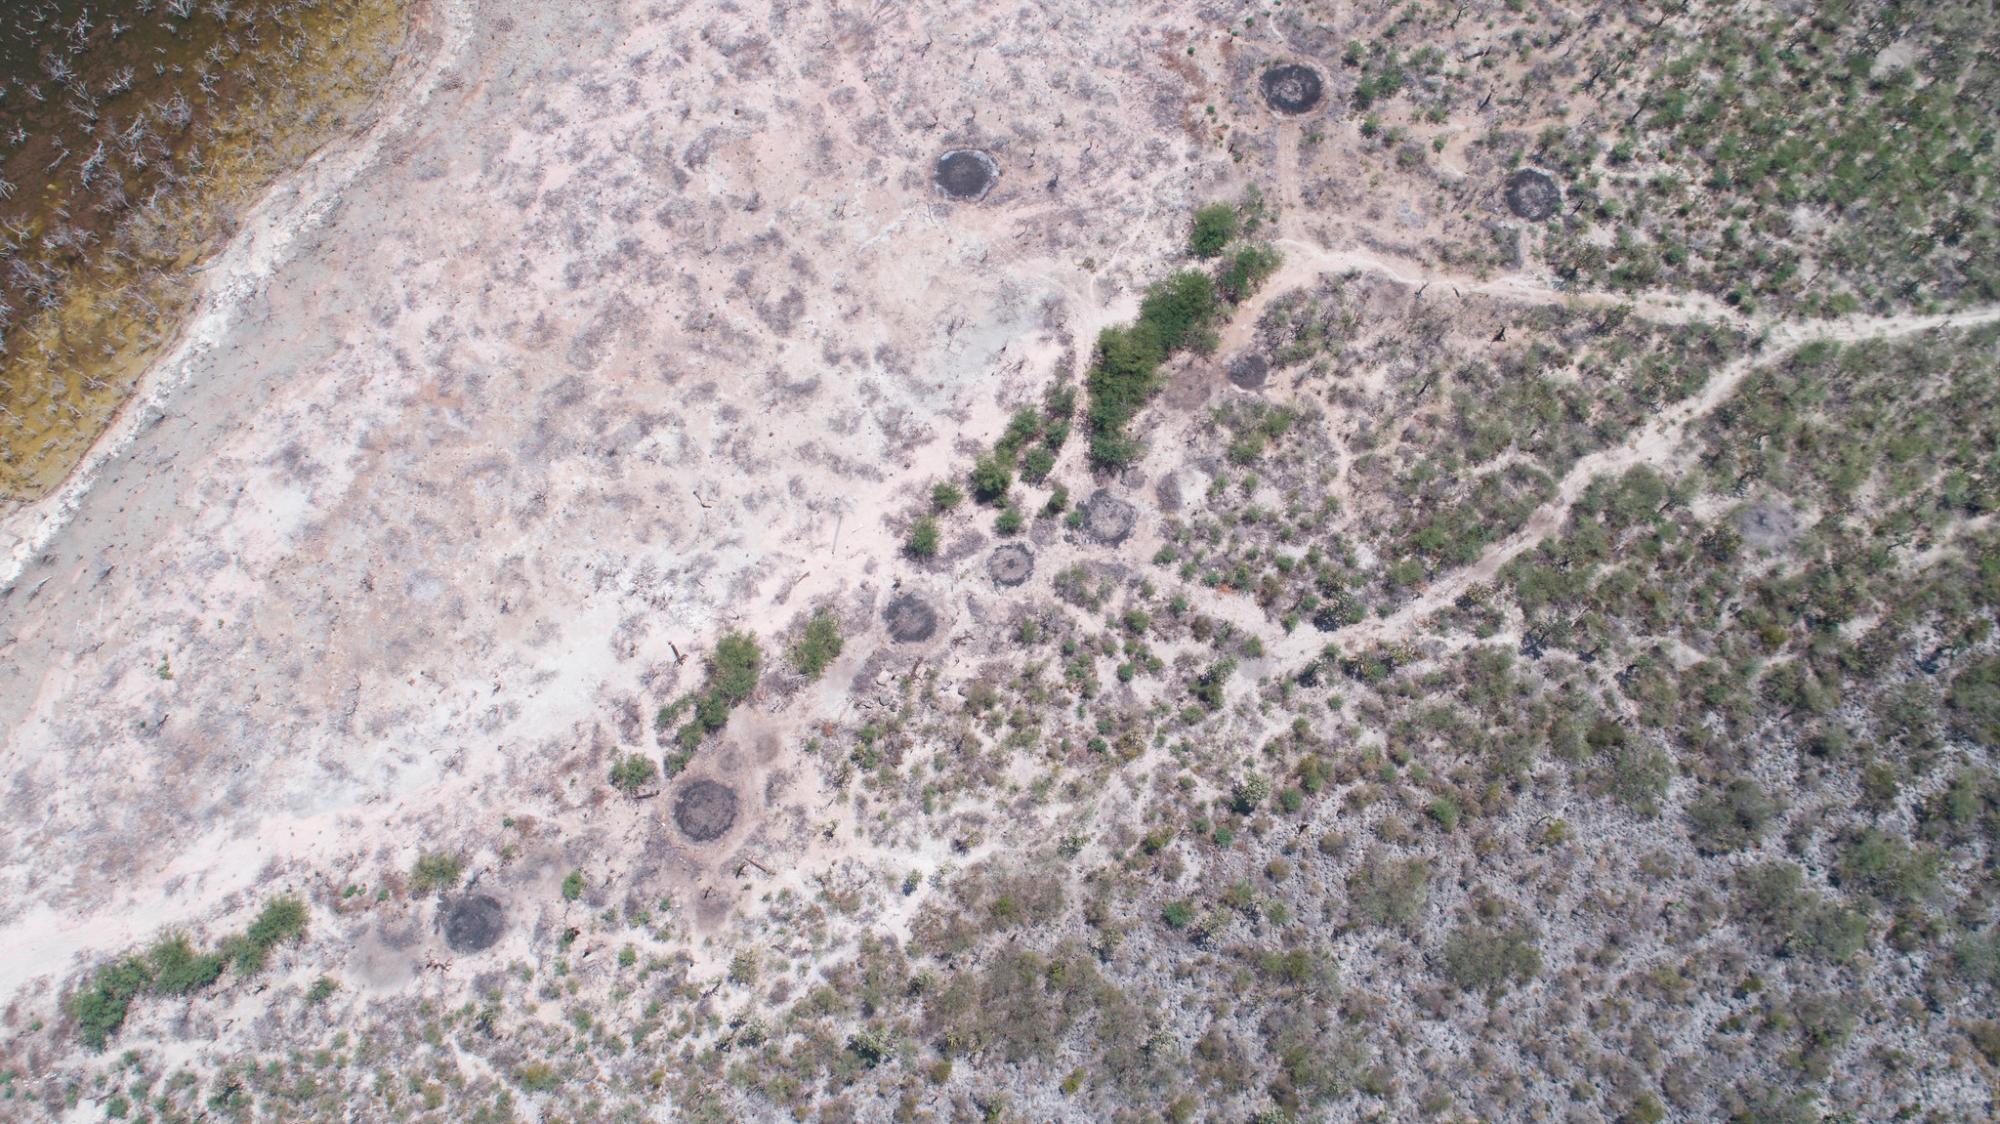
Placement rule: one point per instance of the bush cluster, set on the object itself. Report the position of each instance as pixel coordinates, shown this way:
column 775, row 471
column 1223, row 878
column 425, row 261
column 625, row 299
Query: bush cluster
column 173, row 967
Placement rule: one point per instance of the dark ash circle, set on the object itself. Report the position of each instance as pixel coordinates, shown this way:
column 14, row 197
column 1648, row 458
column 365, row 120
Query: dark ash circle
column 1292, row 87
column 1011, row 564
column 1107, row 519
column 965, row 173
column 1250, row 371
column 910, row 619
column 1532, row 195
column 705, row 809
column 472, row 922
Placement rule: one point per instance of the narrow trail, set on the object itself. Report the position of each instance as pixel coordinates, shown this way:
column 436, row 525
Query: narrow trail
column 1658, row 445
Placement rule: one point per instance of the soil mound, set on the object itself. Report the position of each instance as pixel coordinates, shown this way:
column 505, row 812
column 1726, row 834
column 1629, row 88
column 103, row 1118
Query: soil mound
column 1011, row 564
column 472, row 922
column 1532, row 195
column 910, row 619
column 965, row 173
column 705, row 809
column 1107, row 519
column 1292, row 87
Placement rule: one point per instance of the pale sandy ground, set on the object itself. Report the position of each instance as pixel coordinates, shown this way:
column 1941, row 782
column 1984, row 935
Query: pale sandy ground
column 623, row 325
column 626, row 323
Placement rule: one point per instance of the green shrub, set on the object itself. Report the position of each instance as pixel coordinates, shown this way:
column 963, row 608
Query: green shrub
column 732, row 676
column 1974, row 699
column 1208, row 687
column 923, row 540
column 1888, row 868
column 436, row 870
column 1773, row 898
column 1250, row 794
column 633, row 772
column 1036, row 466
column 1059, row 408
column 1731, row 819
column 946, row 495
column 1976, row 958
column 1390, row 892
column 572, row 885
column 178, row 968
column 1446, row 811
column 1178, row 915
column 281, row 921
column 1214, row 226
column 1477, row 958
column 991, row 476
column 1178, row 311
column 818, row 646
column 1023, row 427
column 1010, row 521
column 101, row 1005
column 537, row 1077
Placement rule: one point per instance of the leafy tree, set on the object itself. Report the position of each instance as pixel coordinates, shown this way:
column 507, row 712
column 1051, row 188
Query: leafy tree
column 1180, row 309
column 1245, row 271
column 1214, row 226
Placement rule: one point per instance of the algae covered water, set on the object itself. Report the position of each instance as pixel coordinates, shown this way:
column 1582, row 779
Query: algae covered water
column 130, row 134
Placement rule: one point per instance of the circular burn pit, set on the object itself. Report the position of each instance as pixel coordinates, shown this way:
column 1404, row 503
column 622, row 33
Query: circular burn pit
column 966, row 174
column 1010, row 564
column 1292, row 87
column 1249, row 372
column 1107, row 519
column 472, row 922
column 1532, row 195
column 910, row 619
column 705, row 810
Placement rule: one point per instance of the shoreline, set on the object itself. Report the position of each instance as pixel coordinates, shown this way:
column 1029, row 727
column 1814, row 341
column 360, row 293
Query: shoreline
column 291, row 206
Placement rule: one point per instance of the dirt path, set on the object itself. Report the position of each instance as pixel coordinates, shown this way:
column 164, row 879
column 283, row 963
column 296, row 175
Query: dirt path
column 1660, row 445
